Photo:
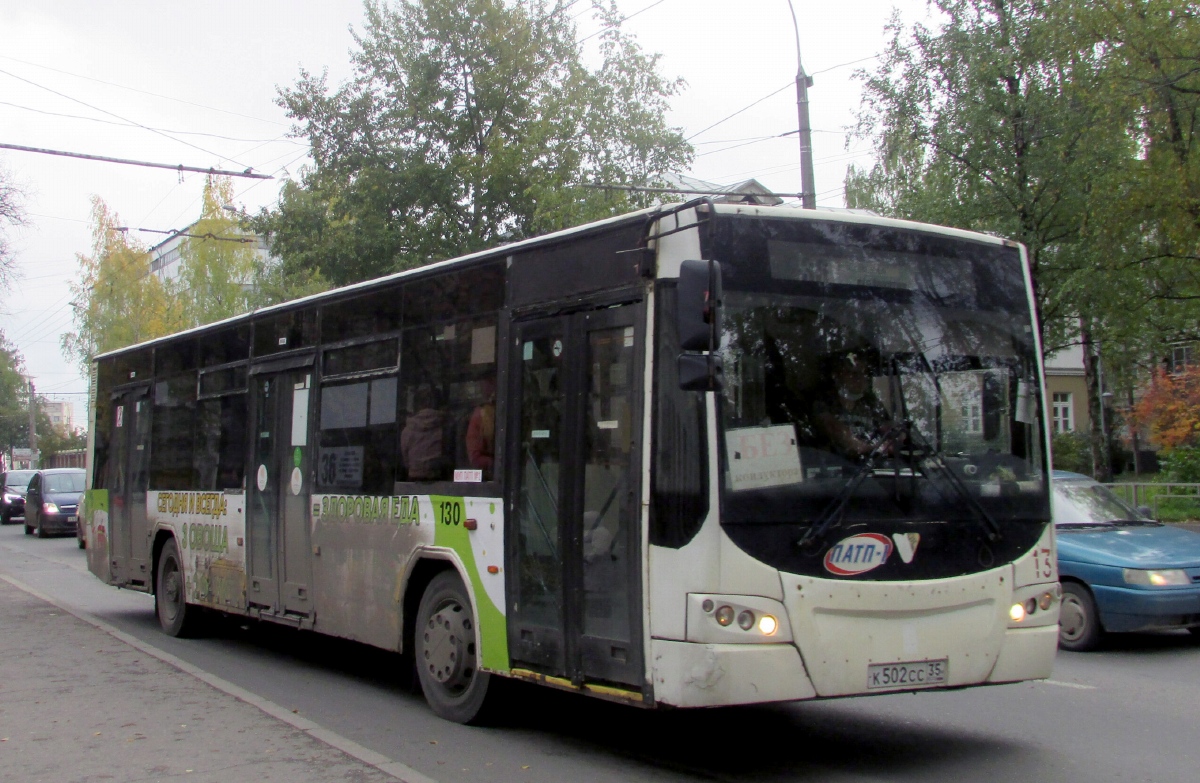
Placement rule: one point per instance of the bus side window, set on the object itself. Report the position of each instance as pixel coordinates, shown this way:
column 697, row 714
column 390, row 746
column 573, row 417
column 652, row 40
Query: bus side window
column 220, row 442
column 357, row 448
column 448, row 401
column 679, row 492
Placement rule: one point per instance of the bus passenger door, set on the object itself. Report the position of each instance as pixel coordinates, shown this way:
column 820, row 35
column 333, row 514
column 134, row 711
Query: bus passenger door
column 127, row 530
column 280, row 565
column 575, row 552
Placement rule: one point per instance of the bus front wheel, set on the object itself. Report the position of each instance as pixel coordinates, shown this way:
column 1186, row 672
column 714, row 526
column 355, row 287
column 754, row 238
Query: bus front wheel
column 446, row 656
column 170, row 595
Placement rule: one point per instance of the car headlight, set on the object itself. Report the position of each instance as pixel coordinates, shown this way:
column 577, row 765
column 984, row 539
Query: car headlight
column 1164, row 577
column 49, row 508
column 11, row 498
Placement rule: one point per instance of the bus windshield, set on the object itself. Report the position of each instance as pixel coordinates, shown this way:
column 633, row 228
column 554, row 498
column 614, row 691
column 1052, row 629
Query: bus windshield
column 877, row 378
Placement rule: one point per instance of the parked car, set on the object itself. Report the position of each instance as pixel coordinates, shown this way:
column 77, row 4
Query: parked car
column 14, row 484
column 52, row 502
column 1120, row 570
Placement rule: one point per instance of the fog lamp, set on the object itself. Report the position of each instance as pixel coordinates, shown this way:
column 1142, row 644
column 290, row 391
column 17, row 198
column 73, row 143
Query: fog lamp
column 725, row 616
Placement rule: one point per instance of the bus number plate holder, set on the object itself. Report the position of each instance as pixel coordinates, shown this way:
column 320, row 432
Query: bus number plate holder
column 908, row 674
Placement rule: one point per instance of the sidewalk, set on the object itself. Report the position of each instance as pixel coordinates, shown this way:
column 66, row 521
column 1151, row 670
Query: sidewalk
column 77, row 704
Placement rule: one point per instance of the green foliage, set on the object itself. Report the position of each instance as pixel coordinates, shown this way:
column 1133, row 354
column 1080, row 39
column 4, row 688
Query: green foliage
column 1182, row 465
column 217, row 261
column 468, row 123
column 14, row 397
column 1072, row 451
column 117, row 301
column 1071, row 126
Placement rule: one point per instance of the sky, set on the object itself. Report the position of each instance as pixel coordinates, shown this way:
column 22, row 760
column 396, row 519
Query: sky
column 195, row 84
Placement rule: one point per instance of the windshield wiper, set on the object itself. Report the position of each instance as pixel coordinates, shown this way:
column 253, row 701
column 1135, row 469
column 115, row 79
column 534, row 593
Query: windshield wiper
column 832, row 516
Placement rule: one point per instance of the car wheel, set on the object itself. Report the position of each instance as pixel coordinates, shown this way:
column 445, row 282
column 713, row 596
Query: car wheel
column 175, row 617
column 28, row 529
column 1079, row 623
column 5, row 519
column 41, row 531
column 444, row 648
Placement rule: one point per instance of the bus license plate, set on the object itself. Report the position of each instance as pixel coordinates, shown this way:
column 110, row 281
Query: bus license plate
column 915, row 674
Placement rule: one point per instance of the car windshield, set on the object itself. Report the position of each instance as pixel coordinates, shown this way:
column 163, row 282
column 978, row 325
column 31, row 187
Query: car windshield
column 1087, row 503
column 64, row 482
column 18, row 479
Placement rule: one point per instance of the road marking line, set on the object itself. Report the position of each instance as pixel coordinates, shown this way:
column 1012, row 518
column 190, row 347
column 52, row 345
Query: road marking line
column 1076, row 685
column 388, row 766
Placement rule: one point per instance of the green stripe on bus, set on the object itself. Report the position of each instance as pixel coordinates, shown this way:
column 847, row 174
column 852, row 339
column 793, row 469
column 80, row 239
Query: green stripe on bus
column 449, row 513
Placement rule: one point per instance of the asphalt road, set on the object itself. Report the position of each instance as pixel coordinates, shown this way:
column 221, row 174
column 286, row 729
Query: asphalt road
column 1126, row 713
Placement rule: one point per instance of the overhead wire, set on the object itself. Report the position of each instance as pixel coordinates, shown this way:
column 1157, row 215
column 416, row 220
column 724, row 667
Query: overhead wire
column 126, row 119
column 145, row 92
column 284, row 137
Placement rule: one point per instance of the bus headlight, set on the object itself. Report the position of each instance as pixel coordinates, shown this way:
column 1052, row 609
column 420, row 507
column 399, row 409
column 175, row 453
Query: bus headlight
column 767, row 625
column 1164, row 577
column 746, row 620
column 1017, row 613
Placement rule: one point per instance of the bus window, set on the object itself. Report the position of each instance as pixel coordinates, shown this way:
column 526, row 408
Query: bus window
column 286, row 332
column 227, row 345
column 221, row 442
column 447, row 401
column 173, row 426
column 679, row 488
column 362, row 316
column 357, row 440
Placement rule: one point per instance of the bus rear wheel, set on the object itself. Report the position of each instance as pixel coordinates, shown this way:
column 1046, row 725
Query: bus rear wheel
column 445, row 652
column 170, row 595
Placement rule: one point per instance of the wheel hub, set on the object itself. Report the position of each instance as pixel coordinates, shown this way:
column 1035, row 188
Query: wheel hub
column 1071, row 619
column 449, row 649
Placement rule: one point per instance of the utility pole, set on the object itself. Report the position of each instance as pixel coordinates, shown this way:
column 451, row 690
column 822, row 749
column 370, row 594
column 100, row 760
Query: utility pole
column 808, row 187
column 33, row 460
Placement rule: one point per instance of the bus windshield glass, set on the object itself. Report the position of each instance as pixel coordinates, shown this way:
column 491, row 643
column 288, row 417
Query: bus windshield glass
column 877, row 378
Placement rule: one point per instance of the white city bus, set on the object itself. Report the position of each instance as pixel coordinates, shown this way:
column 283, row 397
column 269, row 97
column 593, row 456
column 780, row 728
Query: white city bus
column 704, row 454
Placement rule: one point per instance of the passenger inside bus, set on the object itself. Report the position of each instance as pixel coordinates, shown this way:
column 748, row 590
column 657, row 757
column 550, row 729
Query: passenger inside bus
column 422, row 441
column 481, row 430
column 851, row 418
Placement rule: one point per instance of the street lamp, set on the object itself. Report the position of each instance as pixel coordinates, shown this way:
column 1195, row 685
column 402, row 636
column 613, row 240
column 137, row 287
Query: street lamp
column 808, row 188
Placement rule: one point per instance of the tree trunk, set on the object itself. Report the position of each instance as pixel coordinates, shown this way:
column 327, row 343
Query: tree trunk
column 1097, row 431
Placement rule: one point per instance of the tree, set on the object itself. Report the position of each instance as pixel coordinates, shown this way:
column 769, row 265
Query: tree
column 117, row 301
column 217, row 261
column 1171, row 406
column 12, row 215
column 14, row 398
column 468, row 123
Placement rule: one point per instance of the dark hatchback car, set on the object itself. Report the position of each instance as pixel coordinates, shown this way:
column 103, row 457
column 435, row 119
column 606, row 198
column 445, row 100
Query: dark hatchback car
column 12, row 504
column 52, row 502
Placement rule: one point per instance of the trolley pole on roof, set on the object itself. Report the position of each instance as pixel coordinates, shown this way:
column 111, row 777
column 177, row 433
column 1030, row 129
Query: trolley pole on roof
column 808, row 188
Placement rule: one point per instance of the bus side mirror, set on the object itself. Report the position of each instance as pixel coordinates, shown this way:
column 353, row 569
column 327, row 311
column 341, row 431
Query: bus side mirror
column 698, row 323
column 698, row 306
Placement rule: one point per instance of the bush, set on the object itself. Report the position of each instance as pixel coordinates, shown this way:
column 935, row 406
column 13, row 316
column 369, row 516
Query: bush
column 1072, row 451
column 1182, row 465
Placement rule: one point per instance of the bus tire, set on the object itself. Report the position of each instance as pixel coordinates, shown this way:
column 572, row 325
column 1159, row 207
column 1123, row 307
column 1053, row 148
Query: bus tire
column 175, row 617
column 444, row 649
column 1079, row 627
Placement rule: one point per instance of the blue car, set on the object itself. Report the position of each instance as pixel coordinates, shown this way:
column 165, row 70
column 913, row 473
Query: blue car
column 1120, row 570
